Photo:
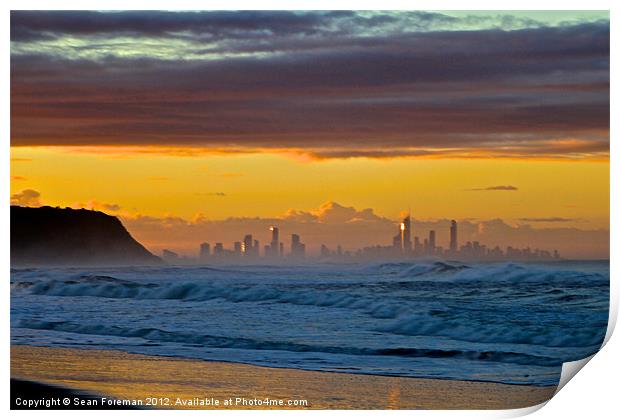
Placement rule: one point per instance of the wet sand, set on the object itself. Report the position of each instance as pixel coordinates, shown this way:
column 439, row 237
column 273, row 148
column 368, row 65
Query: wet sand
column 193, row 384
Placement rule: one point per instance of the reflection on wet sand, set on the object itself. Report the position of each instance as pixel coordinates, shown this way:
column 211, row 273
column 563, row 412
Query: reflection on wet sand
column 183, row 383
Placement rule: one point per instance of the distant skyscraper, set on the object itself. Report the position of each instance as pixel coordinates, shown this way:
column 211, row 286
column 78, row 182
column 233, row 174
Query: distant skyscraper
column 325, row 252
column 246, row 245
column 237, row 248
column 298, row 250
column 431, row 242
column 295, row 241
column 256, row 248
column 218, row 249
column 405, row 233
column 397, row 242
column 205, row 250
column 274, row 247
column 453, row 238
column 416, row 244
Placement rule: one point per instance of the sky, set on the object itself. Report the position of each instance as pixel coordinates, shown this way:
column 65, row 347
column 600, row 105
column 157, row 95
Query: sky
column 192, row 126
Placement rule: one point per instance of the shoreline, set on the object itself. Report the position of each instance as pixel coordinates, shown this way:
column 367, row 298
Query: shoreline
column 179, row 383
column 196, row 359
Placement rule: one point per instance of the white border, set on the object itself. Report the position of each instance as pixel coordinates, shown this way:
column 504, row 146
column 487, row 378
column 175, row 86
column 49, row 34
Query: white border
column 592, row 394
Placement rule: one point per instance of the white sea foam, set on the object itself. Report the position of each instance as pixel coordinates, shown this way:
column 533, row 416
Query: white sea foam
column 513, row 323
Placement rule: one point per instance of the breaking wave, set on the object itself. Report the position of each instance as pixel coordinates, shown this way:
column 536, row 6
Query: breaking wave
column 159, row 335
column 435, row 319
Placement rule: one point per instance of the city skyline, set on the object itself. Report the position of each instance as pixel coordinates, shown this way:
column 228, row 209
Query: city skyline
column 401, row 249
column 352, row 107
column 334, row 225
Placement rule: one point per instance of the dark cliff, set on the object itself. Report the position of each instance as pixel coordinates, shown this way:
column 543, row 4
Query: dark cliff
column 55, row 236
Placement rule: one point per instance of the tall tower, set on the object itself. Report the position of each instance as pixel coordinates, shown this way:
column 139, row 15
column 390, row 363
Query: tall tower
column 275, row 241
column 246, row 245
column 397, row 241
column 298, row 249
column 417, row 246
column 205, row 250
column 453, row 238
column 431, row 242
column 405, row 234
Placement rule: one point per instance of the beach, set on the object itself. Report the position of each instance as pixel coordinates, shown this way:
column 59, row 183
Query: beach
column 323, row 209
column 195, row 384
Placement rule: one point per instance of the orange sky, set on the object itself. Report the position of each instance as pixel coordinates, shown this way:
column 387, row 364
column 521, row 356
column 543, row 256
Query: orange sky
column 175, row 200
column 189, row 117
column 268, row 184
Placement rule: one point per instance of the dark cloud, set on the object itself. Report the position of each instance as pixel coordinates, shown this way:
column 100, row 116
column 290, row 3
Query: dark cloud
column 26, row 25
column 547, row 219
column 28, row 198
column 370, row 153
column 496, row 188
column 97, row 205
column 214, row 194
column 216, row 25
column 319, row 83
column 111, row 207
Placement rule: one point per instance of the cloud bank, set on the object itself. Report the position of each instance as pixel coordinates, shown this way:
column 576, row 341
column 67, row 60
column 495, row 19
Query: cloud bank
column 334, row 224
column 324, row 84
column 27, row 197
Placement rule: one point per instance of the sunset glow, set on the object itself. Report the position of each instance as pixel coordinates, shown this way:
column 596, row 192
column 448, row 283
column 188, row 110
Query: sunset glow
column 234, row 129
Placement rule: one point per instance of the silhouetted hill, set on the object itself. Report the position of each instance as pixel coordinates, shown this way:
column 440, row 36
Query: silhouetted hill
column 55, row 236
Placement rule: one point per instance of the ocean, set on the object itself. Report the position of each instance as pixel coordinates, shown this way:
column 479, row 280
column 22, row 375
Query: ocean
column 513, row 323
